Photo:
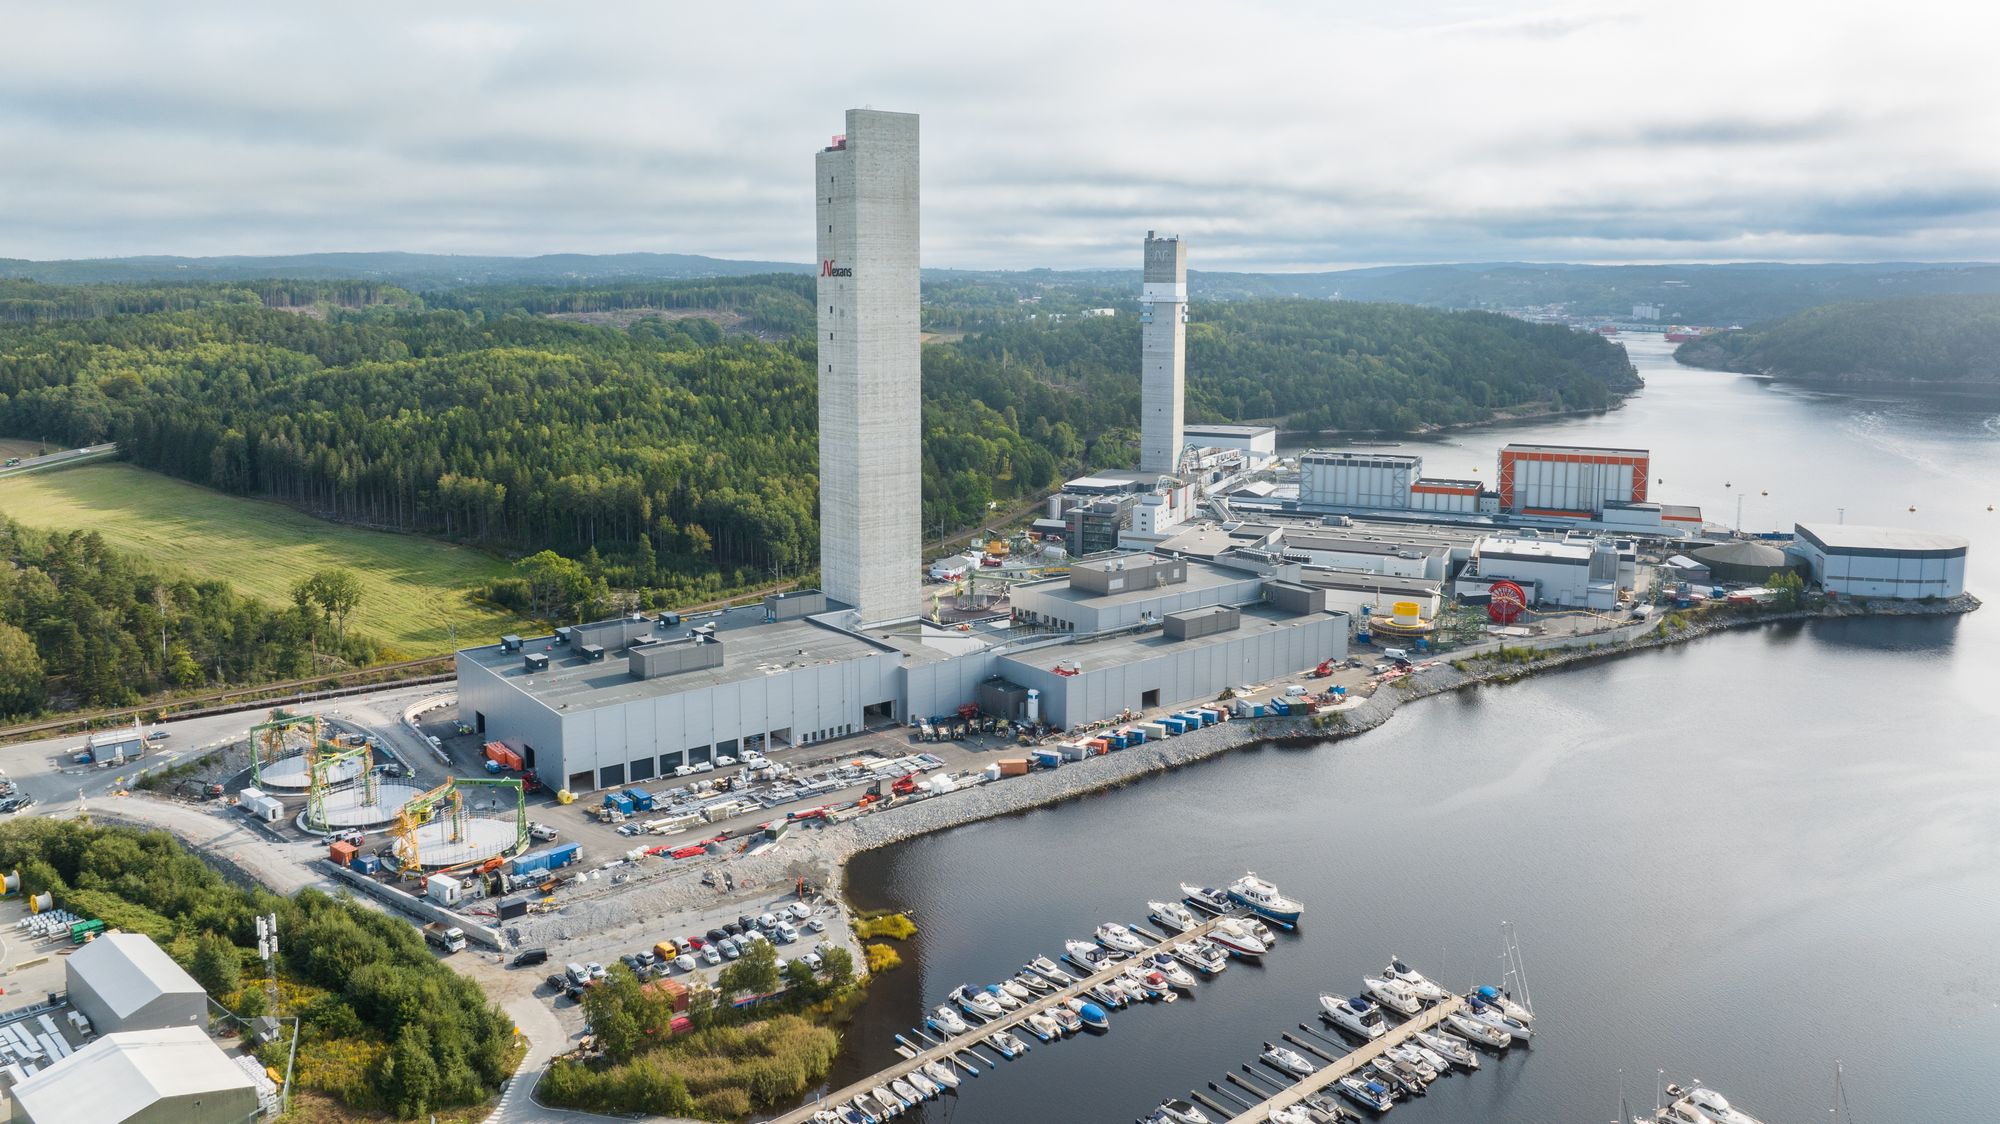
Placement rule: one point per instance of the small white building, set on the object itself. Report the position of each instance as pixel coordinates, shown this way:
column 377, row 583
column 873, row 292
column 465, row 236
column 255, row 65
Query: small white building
column 168, row 1076
column 1856, row 561
column 951, row 569
column 1553, row 571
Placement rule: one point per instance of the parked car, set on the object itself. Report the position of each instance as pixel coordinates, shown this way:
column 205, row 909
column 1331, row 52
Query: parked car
column 596, row 970
column 745, row 923
column 685, row 963
column 786, row 934
column 731, row 948
column 157, row 735
column 529, row 957
column 646, row 959
column 799, row 910
column 710, row 956
column 811, row 960
column 684, row 771
column 724, row 761
column 694, row 943
column 558, row 981
column 717, row 935
column 767, row 922
column 816, row 925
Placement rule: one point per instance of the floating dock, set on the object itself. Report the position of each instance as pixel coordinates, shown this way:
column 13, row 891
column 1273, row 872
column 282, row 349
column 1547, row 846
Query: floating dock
column 951, row 1047
column 1336, row 1068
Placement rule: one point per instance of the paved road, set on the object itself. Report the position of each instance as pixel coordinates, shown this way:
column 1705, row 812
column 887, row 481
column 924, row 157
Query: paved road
column 51, row 460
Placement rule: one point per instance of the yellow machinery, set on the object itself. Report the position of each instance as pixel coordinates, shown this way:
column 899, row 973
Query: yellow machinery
column 448, row 800
column 321, row 762
column 270, row 739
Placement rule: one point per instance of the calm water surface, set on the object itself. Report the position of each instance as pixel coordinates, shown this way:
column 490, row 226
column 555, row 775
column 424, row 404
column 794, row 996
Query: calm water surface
column 1739, row 860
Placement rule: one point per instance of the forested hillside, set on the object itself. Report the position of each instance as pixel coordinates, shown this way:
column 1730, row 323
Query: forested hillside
column 667, row 444
column 84, row 625
column 1952, row 338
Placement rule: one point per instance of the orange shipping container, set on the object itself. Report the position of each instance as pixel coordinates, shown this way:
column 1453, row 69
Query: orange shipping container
column 1013, row 766
column 675, row 990
column 341, row 852
column 507, row 758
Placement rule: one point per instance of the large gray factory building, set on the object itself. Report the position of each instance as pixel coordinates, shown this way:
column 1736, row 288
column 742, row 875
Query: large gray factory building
column 624, row 701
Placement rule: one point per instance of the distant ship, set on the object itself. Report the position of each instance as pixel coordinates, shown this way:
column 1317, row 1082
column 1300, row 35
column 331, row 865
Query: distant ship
column 1607, row 330
column 1678, row 334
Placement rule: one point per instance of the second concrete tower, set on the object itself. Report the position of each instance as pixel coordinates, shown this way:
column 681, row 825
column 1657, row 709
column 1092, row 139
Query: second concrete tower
column 1162, row 353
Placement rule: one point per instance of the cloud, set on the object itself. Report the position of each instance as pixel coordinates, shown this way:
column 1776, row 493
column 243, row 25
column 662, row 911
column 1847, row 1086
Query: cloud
column 1272, row 135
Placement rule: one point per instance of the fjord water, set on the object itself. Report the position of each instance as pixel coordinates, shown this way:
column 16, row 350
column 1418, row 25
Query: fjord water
column 1738, row 860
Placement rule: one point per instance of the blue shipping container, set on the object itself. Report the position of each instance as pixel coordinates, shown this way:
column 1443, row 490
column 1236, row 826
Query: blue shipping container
column 1135, row 737
column 640, row 799
column 564, row 855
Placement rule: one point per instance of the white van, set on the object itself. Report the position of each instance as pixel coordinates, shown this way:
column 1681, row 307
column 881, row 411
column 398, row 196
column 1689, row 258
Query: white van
column 1396, row 653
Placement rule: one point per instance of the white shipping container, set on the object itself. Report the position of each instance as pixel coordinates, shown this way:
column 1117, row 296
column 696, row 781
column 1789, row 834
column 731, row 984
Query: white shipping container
column 444, row 889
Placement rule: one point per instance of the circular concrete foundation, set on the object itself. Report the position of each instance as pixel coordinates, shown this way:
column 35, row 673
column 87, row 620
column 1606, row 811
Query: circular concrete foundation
column 483, row 839
column 290, row 773
column 344, row 809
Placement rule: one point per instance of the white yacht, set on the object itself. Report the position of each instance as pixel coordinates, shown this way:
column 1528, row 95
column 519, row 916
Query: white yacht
column 1017, row 989
column 1044, row 1027
column 942, row 1074
column 925, row 1087
column 1452, row 1049
column 1496, row 997
column 1263, row 897
column 1182, row 1112
column 1176, row 973
column 1201, row 955
column 1033, row 981
column 1291, row 1114
column 1007, row 1001
column 1479, row 1032
column 1115, row 936
column 1413, row 1056
column 1289, row 1060
column 1416, row 981
column 1207, row 900
column 1091, row 958
column 1355, row 1015
column 1492, row 1016
column 977, row 1001
column 947, row 1020
column 1237, row 939
column 1708, row 1104
column 1392, row 994
column 1046, row 968
column 1173, row 915
column 904, row 1090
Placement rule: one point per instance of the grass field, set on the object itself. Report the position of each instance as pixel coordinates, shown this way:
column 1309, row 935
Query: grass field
column 414, row 588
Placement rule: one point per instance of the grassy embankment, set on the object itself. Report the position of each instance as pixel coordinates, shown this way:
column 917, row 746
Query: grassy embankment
column 415, row 589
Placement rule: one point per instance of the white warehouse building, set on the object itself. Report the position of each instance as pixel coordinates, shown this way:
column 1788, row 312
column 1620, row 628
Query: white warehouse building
column 1855, row 561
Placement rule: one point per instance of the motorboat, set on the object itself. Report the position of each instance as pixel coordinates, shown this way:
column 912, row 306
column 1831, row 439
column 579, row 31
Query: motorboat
column 1017, row 989
column 1439, row 1064
column 1106, row 994
column 1449, row 1047
column 1330, row 1111
column 1354, row 1014
column 1065, row 1016
column 1176, row 973
column 1392, row 1075
column 1008, row 1045
column 925, row 1087
column 1371, row 1095
column 901, row 1087
column 1033, row 981
column 1478, row 1032
column 1094, row 1017
column 1135, row 975
column 1413, row 1057
column 890, row 1106
column 1007, row 1001
column 1213, row 902
column 1047, row 969
column 1392, row 994
column 1090, row 958
column 1286, row 1059
column 946, row 1020
column 1495, row 997
column 1179, row 1111
column 1257, row 928
column 1291, row 1114
column 1410, row 1076
column 941, row 1074
column 1712, row 1106
column 1115, row 936
column 1132, row 992
column 1493, row 1017
column 1264, row 898
column 1419, row 984
column 1237, row 939
column 977, row 1001
column 825, row 1117
column 864, row 1109
column 1173, row 915
column 1043, row 1026
column 1201, row 955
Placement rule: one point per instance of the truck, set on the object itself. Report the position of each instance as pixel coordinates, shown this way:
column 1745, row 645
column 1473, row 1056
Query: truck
column 542, row 831
column 447, row 938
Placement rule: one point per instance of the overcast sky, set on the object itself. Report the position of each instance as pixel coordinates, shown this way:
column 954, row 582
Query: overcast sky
column 1273, row 136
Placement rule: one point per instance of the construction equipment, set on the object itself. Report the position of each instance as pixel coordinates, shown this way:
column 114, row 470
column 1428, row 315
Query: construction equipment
column 1324, row 669
column 323, row 759
column 904, row 785
column 271, row 739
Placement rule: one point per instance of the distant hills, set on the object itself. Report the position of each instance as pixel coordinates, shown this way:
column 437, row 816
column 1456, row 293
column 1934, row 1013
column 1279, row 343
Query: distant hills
column 1687, row 294
column 1945, row 338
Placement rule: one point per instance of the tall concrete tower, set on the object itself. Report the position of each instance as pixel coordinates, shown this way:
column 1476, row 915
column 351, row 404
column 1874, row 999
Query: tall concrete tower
column 1162, row 353
column 870, row 381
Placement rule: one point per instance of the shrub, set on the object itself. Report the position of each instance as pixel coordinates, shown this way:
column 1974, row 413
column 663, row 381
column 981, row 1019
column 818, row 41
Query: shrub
column 896, row 926
column 881, row 958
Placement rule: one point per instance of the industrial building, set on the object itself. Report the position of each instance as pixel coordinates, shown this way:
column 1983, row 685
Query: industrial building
column 175, row 1075
column 1570, row 480
column 1573, row 573
column 870, row 384
column 1260, row 441
column 1162, row 353
column 123, row 981
column 1741, row 563
column 645, row 696
column 1854, row 561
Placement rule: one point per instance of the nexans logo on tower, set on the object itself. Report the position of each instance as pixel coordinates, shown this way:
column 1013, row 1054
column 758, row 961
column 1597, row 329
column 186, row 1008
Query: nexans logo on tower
column 828, row 269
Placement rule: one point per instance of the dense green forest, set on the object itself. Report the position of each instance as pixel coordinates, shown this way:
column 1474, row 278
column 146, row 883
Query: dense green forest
column 384, row 1025
column 678, row 449
column 1946, row 338
column 82, row 624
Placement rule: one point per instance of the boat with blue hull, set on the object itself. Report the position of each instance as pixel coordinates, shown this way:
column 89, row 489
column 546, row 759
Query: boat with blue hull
column 1263, row 898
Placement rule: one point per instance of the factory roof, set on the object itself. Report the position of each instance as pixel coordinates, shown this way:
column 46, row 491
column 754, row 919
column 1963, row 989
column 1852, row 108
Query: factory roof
column 1229, row 430
column 1200, row 575
column 1356, row 544
column 1132, row 647
column 1364, row 454
column 1366, row 581
column 752, row 648
column 1206, row 540
column 1572, row 449
column 121, row 1075
column 1535, row 550
column 1850, row 538
column 1742, row 554
column 128, row 971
